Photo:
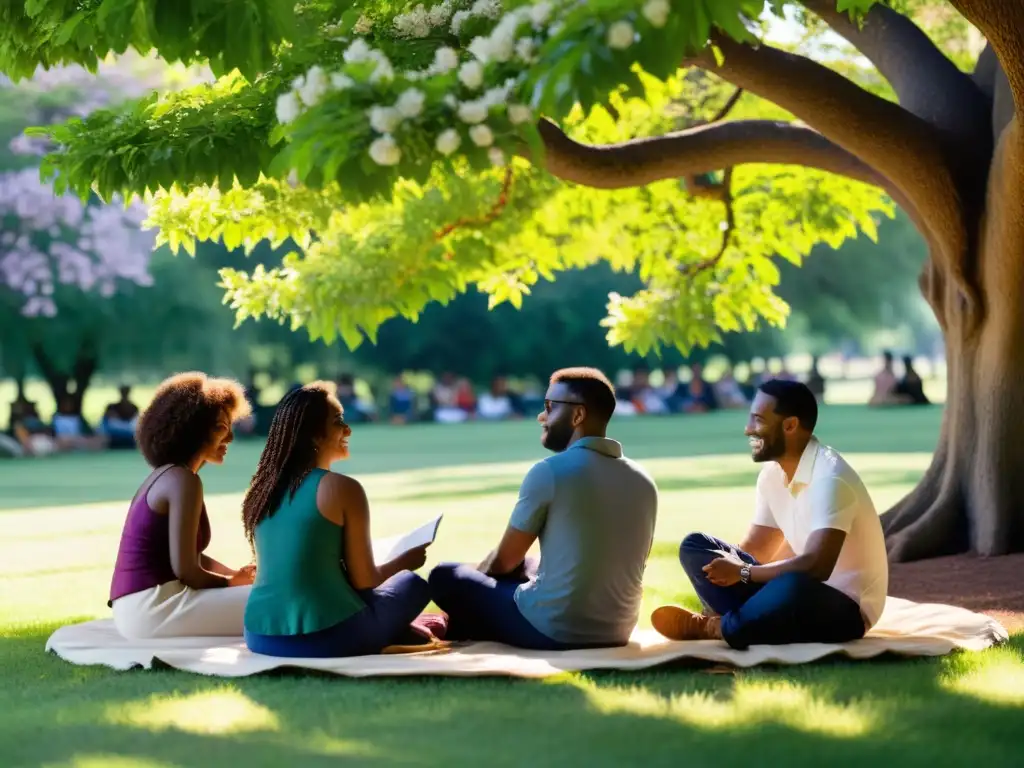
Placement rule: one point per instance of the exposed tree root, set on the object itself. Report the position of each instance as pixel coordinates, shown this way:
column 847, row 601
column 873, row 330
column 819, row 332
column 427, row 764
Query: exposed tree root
column 938, row 529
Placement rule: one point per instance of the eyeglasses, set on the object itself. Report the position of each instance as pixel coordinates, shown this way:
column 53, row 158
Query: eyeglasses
column 547, row 403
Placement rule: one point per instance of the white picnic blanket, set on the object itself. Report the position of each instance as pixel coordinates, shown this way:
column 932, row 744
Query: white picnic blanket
column 906, row 628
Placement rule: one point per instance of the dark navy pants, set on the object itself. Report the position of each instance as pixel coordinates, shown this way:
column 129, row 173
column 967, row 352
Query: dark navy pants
column 481, row 607
column 792, row 608
column 390, row 608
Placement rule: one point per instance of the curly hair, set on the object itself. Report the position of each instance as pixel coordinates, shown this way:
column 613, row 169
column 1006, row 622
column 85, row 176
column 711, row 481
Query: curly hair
column 290, row 453
column 183, row 414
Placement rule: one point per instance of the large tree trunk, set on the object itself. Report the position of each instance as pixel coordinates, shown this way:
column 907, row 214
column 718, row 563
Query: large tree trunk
column 972, row 496
column 68, row 384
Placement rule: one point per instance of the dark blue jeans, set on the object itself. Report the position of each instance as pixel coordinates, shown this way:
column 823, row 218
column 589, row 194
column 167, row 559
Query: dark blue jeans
column 390, row 608
column 792, row 608
column 481, row 607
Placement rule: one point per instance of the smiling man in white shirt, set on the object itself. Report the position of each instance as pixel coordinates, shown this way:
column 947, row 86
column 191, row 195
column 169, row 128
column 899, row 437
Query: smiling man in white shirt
column 813, row 565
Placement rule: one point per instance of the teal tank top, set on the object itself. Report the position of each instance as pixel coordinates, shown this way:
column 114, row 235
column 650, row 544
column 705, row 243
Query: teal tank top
column 300, row 585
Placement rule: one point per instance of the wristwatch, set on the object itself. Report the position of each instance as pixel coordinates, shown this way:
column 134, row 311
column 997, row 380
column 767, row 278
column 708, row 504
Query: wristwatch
column 745, row 574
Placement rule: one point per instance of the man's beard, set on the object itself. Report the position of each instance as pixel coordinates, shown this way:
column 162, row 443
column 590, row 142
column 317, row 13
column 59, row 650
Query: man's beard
column 772, row 447
column 557, row 437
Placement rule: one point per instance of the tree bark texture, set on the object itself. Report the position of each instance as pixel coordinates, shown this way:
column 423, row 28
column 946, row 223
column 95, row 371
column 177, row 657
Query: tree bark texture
column 972, row 497
column 951, row 154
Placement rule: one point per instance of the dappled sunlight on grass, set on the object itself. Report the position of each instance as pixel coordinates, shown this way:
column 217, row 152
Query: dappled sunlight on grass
column 996, row 677
column 55, row 565
column 220, row 711
column 745, row 704
column 331, row 746
column 111, row 761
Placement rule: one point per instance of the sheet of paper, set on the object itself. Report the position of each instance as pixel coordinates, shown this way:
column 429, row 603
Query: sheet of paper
column 390, row 548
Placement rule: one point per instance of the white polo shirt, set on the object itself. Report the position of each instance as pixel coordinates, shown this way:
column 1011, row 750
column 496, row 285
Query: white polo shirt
column 826, row 493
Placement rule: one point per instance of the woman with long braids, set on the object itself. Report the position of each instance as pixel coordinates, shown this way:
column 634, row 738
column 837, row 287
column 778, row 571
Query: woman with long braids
column 318, row 591
column 164, row 585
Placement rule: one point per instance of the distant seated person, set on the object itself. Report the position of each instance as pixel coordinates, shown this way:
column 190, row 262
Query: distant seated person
column 401, row 402
column 444, row 400
column 812, row 567
column 727, row 391
column 31, row 436
column 911, row 387
column 887, row 385
column 698, row 396
column 593, row 511
column 319, row 592
column 670, row 390
column 246, row 426
column 164, row 583
column 816, row 382
column 119, row 421
column 358, row 409
column 645, row 398
column 21, row 408
column 623, row 401
column 70, row 431
column 497, row 402
column 465, row 397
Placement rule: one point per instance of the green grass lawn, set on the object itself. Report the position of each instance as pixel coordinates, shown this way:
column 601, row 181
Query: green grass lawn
column 63, row 516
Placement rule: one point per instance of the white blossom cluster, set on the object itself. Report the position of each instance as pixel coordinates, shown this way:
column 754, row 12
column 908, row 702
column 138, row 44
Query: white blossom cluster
column 516, row 37
column 421, row 21
column 409, row 105
column 307, row 90
column 47, row 240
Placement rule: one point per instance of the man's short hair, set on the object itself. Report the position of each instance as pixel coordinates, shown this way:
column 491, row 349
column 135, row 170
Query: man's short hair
column 793, row 398
column 592, row 387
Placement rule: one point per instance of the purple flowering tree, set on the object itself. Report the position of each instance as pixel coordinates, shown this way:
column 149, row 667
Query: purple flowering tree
column 65, row 262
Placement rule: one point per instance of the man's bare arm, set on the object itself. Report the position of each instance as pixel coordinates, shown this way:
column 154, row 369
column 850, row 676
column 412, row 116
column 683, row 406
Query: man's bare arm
column 818, row 561
column 762, row 542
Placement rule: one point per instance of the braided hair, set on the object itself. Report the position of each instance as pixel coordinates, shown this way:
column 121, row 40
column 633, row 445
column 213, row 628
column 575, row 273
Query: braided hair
column 290, row 453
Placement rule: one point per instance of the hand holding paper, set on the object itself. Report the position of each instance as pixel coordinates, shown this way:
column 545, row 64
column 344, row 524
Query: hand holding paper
column 386, row 550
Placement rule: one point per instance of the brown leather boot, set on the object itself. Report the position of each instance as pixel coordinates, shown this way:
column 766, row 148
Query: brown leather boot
column 677, row 623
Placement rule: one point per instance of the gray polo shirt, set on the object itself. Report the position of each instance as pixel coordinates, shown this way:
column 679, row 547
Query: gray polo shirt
column 594, row 512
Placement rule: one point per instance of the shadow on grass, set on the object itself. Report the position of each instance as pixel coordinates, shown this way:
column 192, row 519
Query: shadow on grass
column 491, row 486
column 113, row 476
column 828, row 713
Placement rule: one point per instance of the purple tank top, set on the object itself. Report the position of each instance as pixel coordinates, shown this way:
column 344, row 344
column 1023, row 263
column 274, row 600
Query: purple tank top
column 144, row 555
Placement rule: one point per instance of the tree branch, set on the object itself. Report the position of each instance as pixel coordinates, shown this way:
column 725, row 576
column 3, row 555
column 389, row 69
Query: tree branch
column 926, row 82
column 991, row 80
column 695, row 151
column 730, row 103
column 690, row 270
column 487, row 218
column 1001, row 21
column 700, row 185
column 904, row 148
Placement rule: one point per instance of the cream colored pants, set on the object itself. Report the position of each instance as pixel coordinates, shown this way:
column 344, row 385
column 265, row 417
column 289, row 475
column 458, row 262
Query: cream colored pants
column 174, row 610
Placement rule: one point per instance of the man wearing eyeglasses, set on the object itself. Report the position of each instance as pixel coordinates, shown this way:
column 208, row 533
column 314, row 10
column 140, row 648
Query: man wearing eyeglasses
column 593, row 512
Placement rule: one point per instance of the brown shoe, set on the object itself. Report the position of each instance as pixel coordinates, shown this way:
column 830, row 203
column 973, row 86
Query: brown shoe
column 677, row 623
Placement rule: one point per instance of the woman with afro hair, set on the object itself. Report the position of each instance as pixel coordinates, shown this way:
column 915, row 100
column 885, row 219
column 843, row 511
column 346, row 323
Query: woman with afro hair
column 164, row 585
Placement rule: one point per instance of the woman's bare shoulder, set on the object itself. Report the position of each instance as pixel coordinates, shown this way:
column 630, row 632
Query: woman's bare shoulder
column 337, row 493
column 337, row 483
column 171, row 482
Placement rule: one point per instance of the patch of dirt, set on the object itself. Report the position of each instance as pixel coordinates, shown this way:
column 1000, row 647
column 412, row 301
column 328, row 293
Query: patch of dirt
column 989, row 585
